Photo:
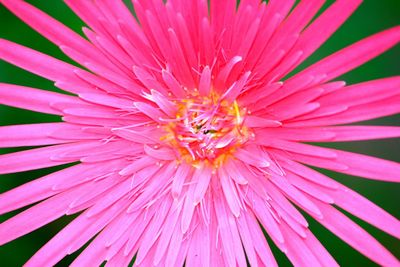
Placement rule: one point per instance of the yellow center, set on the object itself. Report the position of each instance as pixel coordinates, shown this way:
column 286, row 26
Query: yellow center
column 206, row 129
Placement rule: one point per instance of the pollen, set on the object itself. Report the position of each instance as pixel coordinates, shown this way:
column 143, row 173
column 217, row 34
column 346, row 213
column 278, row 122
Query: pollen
column 207, row 129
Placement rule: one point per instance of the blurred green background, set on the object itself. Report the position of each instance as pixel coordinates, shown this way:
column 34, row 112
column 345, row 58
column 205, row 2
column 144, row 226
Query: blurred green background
column 371, row 17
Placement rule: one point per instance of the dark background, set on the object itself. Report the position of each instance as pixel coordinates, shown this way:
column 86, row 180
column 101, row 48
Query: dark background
column 371, row 17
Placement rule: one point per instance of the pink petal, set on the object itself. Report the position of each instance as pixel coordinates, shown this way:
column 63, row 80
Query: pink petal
column 354, row 55
column 52, row 184
column 319, row 251
column 355, row 236
column 37, row 216
column 323, row 27
column 202, row 177
column 32, row 134
column 353, row 133
column 205, row 81
column 38, row 63
column 365, row 166
column 298, row 253
column 73, row 236
column 32, row 99
column 49, row 27
column 40, row 157
column 361, row 207
column 230, row 193
column 295, row 195
column 232, row 247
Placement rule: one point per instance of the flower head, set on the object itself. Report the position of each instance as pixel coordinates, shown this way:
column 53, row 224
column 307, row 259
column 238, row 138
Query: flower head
column 189, row 137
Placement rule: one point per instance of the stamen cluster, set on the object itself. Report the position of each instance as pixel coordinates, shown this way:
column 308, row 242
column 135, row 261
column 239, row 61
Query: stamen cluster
column 207, row 128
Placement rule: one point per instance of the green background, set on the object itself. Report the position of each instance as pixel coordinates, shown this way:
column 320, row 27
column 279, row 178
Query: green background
column 371, row 17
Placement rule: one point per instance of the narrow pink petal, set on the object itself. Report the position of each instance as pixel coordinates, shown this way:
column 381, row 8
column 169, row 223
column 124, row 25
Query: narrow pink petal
column 353, row 133
column 226, row 70
column 121, row 79
column 265, row 136
column 247, row 240
column 107, row 83
column 163, row 153
column 152, row 190
column 230, row 192
column 92, row 112
column 107, row 100
column 150, row 111
column 252, row 156
column 297, row 20
column 32, row 99
column 49, row 27
column 283, row 202
column 144, row 135
column 263, row 213
column 205, row 81
column 323, row 27
column 89, row 13
column 215, row 243
column 174, row 246
column 116, row 51
column 153, row 230
column 137, row 229
column 292, row 223
column 37, row 216
column 199, row 250
column 40, row 157
column 32, row 134
column 96, row 252
column 298, row 98
column 54, row 183
column 38, row 63
column 100, row 188
column 298, row 253
column 260, row 122
column 73, row 236
column 231, row 244
column 188, row 209
column 180, row 60
column 202, row 177
column 114, row 195
column 173, row 84
column 295, row 195
column 354, row 55
column 354, row 95
column 319, row 162
column 222, row 12
column 367, row 166
column 361, row 207
column 363, row 93
column 233, row 170
column 304, row 149
column 260, row 243
column 307, row 173
column 179, row 179
column 168, row 230
column 273, row 15
column 327, row 134
column 308, row 187
column 357, row 113
column 236, row 88
column 121, row 11
column 355, row 236
column 319, row 251
column 163, row 103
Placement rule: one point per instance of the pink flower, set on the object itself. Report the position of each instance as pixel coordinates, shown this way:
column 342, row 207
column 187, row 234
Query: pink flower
column 189, row 137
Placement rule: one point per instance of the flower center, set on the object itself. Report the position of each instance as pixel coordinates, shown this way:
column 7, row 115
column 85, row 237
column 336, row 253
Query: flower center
column 207, row 129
